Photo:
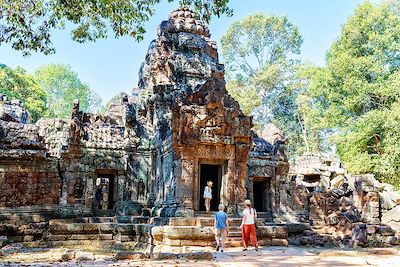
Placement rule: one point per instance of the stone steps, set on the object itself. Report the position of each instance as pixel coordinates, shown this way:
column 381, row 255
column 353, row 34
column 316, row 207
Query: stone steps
column 209, row 221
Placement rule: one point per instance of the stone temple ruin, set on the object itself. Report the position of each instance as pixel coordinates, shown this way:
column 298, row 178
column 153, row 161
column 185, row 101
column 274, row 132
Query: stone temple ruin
column 134, row 177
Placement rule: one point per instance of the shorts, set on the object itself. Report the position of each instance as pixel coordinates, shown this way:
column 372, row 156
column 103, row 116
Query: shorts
column 220, row 233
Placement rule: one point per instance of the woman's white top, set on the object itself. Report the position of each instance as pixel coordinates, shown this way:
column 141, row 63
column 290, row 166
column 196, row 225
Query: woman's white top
column 207, row 192
column 249, row 215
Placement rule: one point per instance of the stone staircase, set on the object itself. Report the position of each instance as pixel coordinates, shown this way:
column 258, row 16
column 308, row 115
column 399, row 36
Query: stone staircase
column 199, row 231
column 125, row 230
column 133, row 231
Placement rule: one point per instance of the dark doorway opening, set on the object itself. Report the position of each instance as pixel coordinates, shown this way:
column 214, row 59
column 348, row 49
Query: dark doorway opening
column 210, row 172
column 259, row 195
column 262, row 196
column 311, row 181
column 104, row 192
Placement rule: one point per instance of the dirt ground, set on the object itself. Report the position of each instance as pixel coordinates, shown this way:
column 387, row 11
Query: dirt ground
column 268, row 256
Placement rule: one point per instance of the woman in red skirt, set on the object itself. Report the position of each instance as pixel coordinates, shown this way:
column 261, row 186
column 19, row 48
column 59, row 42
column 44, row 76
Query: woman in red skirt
column 248, row 226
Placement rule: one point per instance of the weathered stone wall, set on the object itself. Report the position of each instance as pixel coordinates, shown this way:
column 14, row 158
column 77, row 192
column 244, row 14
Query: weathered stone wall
column 29, row 185
column 13, row 110
column 27, row 177
column 350, row 209
column 16, row 135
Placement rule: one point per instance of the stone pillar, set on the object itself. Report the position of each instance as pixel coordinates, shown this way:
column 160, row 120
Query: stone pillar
column 224, row 196
column 120, row 185
column 197, row 194
column 185, row 187
column 89, row 192
column 151, row 190
column 231, row 186
column 240, row 183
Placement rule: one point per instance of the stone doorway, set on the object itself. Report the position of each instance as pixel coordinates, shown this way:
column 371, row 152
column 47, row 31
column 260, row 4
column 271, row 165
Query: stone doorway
column 210, row 172
column 261, row 195
column 104, row 193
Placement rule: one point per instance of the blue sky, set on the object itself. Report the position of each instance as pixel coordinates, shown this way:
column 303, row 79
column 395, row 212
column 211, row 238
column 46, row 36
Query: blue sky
column 110, row 66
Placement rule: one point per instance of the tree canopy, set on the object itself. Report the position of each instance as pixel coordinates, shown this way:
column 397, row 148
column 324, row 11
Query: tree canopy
column 28, row 25
column 62, row 85
column 357, row 95
column 18, row 84
column 259, row 53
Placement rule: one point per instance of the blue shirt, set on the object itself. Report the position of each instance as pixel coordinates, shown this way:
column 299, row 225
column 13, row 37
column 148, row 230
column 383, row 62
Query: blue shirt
column 220, row 217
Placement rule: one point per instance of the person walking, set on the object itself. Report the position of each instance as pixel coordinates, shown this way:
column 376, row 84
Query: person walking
column 248, row 226
column 221, row 226
column 208, row 195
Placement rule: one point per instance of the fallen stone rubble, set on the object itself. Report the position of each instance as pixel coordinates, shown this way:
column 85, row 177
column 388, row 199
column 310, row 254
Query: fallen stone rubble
column 345, row 209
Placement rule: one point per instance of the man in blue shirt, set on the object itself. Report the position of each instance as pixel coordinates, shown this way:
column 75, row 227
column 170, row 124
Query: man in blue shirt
column 221, row 226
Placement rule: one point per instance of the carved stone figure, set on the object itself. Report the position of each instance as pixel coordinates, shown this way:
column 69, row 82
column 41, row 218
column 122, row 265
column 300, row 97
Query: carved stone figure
column 76, row 127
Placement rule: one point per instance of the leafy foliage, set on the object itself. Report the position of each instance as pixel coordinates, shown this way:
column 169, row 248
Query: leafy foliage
column 259, row 57
column 357, row 96
column 62, row 86
column 259, row 41
column 28, row 25
column 18, row 84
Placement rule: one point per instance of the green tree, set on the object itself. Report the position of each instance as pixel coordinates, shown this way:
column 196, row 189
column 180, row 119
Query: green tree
column 18, row 84
column 114, row 99
column 259, row 54
column 28, row 25
column 357, row 95
column 62, row 86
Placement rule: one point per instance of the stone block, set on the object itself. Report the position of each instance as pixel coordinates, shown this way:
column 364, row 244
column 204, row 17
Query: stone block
column 279, row 242
column 105, row 236
column 371, row 229
column 385, row 230
column 188, row 242
column 196, row 256
column 157, row 233
column 306, row 240
column 125, row 229
column 175, row 221
column 84, row 256
column 203, row 243
column 392, row 215
column 129, row 255
column 68, row 256
column 164, row 256
column 297, row 227
column 273, row 231
column 106, row 228
column 332, row 219
column 127, row 238
column 172, row 242
column 188, row 232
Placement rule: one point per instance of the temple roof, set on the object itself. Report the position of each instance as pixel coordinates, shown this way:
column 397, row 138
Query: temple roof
column 184, row 20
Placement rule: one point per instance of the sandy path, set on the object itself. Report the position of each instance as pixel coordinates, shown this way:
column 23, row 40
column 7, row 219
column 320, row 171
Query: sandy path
column 268, row 256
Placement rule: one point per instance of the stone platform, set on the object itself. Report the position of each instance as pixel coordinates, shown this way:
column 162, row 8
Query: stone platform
column 136, row 231
column 199, row 231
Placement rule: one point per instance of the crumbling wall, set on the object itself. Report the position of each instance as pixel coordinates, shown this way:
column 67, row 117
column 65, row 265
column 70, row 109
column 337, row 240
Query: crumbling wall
column 351, row 209
column 27, row 177
column 29, row 184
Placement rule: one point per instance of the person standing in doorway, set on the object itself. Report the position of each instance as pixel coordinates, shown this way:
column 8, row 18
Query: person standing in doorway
column 248, row 226
column 221, row 226
column 208, row 195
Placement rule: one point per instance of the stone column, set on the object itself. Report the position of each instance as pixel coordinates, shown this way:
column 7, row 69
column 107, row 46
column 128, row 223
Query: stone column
column 152, row 182
column 240, row 182
column 230, row 175
column 195, row 184
column 89, row 192
column 185, row 185
column 225, row 184
column 120, row 185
